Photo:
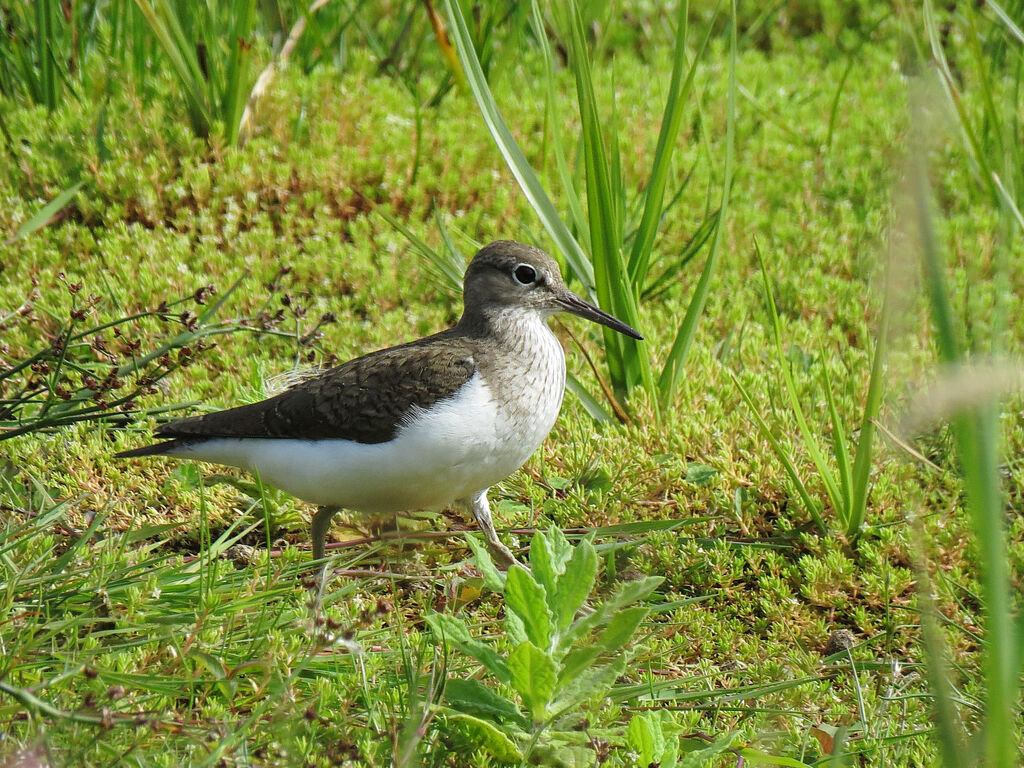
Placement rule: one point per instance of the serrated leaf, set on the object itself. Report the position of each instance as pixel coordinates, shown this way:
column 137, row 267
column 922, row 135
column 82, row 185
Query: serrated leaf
column 493, row 578
column 448, row 627
column 533, row 676
column 514, row 628
column 454, row 631
column 699, row 474
column 629, row 592
column 621, row 628
column 472, row 697
column 576, row 661
column 484, row 735
column 596, row 681
column 575, row 585
column 543, row 564
column 580, row 628
column 483, row 653
column 645, row 737
column 670, row 754
column 561, row 549
column 700, row 757
column 529, row 600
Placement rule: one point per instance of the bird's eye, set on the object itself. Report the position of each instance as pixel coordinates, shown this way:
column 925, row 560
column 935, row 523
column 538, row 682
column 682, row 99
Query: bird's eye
column 524, row 274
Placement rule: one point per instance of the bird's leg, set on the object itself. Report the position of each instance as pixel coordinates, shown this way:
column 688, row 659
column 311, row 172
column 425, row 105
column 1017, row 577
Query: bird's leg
column 321, row 524
column 482, row 512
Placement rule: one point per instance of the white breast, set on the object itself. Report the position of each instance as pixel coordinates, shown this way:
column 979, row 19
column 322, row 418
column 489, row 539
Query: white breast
column 450, row 451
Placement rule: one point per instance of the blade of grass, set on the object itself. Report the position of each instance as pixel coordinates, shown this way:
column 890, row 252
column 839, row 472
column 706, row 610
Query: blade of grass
column 568, row 182
column 514, row 157
column 794, row 477
column 862, row 458
column 162, row 17
column 678, row 92
column 668, row 383
column 840, row 445
column 977, row 438
column 42, row 217
column 236, row 86
column 807, row 435
column 625, row 357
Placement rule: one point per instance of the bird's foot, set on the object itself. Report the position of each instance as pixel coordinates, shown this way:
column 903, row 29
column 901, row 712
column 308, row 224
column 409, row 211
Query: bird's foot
column 502, row 555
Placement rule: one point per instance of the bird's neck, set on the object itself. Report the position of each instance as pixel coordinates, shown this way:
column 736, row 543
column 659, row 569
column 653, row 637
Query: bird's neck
column 505, row 325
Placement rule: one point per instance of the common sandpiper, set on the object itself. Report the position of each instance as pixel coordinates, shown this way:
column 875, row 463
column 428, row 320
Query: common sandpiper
column 422, row 425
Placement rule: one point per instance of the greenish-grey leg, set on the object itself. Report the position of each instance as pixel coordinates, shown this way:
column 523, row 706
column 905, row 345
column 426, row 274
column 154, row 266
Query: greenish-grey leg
column 321, row 524
column 482, row 512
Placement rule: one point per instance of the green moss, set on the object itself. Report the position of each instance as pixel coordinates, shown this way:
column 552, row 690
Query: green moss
column 213, row 654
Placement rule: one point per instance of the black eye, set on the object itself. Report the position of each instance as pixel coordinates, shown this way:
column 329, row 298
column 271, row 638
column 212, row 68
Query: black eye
column 524, row 274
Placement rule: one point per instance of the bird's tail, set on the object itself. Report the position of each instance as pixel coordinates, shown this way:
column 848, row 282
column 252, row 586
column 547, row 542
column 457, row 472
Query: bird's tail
column 157, row 449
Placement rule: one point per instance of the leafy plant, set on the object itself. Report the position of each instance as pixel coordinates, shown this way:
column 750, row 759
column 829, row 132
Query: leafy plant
column 43, row 46
column 561, row 655
column 617, row 270
column 77, row 374
column 847, row 485
column 209, row 47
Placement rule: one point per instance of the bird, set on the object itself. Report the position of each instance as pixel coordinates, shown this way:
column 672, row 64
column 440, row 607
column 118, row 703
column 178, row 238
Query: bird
column 424, row 425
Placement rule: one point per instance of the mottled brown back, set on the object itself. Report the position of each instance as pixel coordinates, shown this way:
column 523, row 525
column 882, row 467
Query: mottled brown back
column 363, row 400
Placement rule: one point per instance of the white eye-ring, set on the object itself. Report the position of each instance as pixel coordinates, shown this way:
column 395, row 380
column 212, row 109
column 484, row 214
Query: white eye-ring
column 524, row 274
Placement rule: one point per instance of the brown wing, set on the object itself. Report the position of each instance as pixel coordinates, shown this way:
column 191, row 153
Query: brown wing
column 363, row 400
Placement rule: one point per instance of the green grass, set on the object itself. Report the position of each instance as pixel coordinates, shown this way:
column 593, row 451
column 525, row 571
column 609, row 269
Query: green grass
column 131, row 632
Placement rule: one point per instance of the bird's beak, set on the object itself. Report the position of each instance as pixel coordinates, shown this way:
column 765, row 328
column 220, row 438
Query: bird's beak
column 570, row 302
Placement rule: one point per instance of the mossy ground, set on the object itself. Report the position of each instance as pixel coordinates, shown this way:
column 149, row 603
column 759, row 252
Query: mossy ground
column 229, row 662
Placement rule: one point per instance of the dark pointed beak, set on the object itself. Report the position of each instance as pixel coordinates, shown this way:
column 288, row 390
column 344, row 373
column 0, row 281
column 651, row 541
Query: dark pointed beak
column 570, row 302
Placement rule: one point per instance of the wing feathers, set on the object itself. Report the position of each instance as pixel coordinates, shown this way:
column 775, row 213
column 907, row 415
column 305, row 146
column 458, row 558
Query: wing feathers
column 363, row 400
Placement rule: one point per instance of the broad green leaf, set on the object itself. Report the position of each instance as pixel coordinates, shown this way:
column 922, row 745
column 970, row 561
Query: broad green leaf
column 448, row 627
column 699, row 758
column 528, row 599
column 484, row 735
column 549, row 553
column 621, row 628
column 596, row 681
column 454, row 631
column 514, row 628
column 486, row 655
column 576, row 661
column 545, row 570
column 472, row 697
column 632, row 591
column 214, row 665
column 627, row 593
column 699, row 474
column 560, row 754
column 644, row 737
column 575, row 585
column 533, row 676
column 493, row 578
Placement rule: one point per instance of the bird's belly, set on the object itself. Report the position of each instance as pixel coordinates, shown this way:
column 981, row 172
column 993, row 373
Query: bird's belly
column 454, row 449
